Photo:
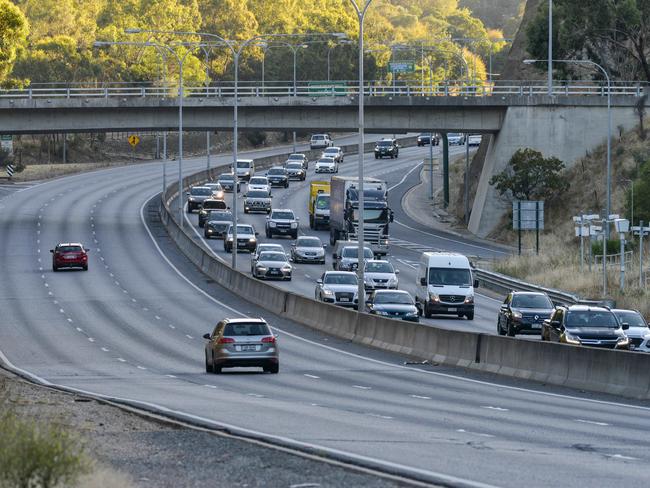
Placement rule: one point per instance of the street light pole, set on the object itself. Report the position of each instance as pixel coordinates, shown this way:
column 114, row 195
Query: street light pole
column 550, row 48
column 361, row 14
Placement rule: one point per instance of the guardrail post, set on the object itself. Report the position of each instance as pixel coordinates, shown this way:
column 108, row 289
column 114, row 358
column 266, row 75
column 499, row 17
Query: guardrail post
column 30, row 92
column 142, row 91
column 67, row 92
column 105, row 92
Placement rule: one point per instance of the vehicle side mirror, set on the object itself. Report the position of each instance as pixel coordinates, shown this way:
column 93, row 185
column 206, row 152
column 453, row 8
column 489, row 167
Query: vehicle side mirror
column 476, row 284
column 257, row 233
column 423, row 281
column 319, row 281
column 268, row 217
column 52, row 250
column 625, row 326
column 187, row 193
column 227, row 208
column 392, row 216
column 334, row 256
column 86, row 249
column 297, row 219
column 324, row 246
column 397, row 271
column 245, row 195
column 206, row 336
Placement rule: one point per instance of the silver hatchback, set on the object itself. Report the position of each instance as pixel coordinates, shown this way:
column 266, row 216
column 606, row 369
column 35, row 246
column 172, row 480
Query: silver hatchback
column 243, row 343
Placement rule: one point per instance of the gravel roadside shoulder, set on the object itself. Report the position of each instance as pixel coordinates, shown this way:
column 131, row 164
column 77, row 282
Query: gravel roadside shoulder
column 132, row 451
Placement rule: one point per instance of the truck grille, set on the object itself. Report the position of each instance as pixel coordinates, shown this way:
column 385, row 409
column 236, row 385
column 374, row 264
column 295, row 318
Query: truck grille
column 452, row 298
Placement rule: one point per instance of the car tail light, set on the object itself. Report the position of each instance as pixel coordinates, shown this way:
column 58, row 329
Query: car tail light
column 270, row 339
column 226, row 340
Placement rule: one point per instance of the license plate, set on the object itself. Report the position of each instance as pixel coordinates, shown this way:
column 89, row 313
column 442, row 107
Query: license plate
column 344, row 300
column 69, row 257
column 248, row 348
column 275, row 272
column 241, row 245
column 536, row 326
column 452, row 309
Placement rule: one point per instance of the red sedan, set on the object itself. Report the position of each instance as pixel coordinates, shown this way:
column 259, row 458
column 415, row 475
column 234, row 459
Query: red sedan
column 69, row 255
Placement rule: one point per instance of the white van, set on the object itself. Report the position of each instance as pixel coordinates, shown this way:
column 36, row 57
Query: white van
column 445, row 285
column 245, row 169
column 320, row 141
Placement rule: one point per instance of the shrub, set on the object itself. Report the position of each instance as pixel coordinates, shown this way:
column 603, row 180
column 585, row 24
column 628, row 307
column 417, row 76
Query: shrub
column 35, row 455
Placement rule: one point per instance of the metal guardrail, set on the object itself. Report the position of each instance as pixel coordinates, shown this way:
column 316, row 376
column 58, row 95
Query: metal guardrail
column 450, row 88
column 505, row 284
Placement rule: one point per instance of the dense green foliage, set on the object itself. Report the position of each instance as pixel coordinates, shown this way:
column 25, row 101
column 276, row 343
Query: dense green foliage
column 530, row 176
column 615, row 34
column 13, row 33
column 641, row 209
column 62, row 33
column 506, row 17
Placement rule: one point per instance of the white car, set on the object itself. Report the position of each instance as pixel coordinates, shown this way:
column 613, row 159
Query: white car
column 271, row 265
column 338, row 287
column 455, row 139
column 638, row 331
column 217, row 191
column 259, row 183
column 326, row 165
column 320, row 141
column 267, row 246
column 380, row 274
column 474, row 140
column 333, row 152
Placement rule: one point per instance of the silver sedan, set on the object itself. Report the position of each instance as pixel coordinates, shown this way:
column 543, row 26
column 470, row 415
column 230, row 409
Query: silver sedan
column 241, row 343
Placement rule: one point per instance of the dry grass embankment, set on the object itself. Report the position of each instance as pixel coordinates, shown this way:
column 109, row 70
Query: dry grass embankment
column 558, row 265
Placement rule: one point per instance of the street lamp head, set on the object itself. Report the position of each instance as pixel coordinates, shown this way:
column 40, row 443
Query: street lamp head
column 133, row 30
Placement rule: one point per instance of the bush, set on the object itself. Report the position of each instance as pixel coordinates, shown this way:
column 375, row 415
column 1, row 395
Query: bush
column 613, row 247
column 256, row 138
column 33, row 455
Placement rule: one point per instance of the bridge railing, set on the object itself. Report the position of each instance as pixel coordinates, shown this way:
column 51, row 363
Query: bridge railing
column 314, row 89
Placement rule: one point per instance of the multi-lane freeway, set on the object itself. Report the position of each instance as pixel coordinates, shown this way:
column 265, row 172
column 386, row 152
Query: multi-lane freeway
column 131, row 328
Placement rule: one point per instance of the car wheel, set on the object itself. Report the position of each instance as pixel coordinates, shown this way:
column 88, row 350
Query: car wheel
column 322, row 262
column 542, row 336
column 510, row 330
column 376, row 157
column 85, row 268
column 245, row 211
column 286, row 185
column 208, row 367
column 500, row 330
column 268, row 234
column 470, row 316
column 427, row 312
column 216, row 369
column 55, row 268
column 274, row 369
column 206, row 235
column 294, row 235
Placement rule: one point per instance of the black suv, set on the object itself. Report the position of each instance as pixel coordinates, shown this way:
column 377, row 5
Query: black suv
column 282, row 221
column 583, row 325
column 524, row 313
column 387, row 147
column 425, row 140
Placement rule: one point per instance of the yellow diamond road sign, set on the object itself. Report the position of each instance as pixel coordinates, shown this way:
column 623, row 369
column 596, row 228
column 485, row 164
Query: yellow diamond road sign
column 134, row 140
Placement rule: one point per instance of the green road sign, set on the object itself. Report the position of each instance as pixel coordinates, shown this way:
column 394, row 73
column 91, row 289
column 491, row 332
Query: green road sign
column 327, row 88
column 401, row 66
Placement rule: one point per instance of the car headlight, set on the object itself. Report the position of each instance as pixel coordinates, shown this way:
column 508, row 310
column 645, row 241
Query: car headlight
column 469, row 299
column 294, row 225
column 412, row 314
column 259, row 267
column 517, row 315
column 434, row 297
column 623, row 341
column 571, row 339
column 191, row 199
column 252, row 239
column 272, row 224
column 328, row 293
column 286, row 268
column 392, row 281
column 368, row 280
column 230, row 239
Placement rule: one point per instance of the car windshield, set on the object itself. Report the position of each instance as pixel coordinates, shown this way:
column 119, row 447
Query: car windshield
column 276, row 171
column 242, row 229
column 299, row 157
column 309, row 242
column 201, row 191
column 244, row 329
column 340, row 279
column 379, row 268
column 393, row 297
column 531, row 301
column 331, row 150
column 453, row 134
column 326, row 160
column 353, row 252
column 214, row 204
column 226, row 178
column 257, row 194
column 220, row 215
column 270, row 248
column 213, row 186
column 282, row 215
column 272, row 256
column 371, row 194
column 69, row 249
column 258, row 180
column 372, row 215
column 294, row 165
column 317, row 137
column 634, row 319
column 323, row 203
column 385, row 143
column 243, row 164
column 590, row 318
column 450, row 276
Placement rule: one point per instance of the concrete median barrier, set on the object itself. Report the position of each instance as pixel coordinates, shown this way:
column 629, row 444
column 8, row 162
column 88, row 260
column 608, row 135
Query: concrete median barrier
column 616, row 372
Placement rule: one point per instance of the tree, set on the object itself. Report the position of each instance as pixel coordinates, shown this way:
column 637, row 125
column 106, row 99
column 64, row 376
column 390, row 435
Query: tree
column 615, row 34
column 530, row 176
column 641, row 188
column 13, row 34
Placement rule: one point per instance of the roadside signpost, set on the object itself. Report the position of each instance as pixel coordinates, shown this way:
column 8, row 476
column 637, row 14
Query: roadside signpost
column 10, row 170
column 583, row 229
column 134, row 141
column 639, row 230
column 528, row 215
column 402, row 66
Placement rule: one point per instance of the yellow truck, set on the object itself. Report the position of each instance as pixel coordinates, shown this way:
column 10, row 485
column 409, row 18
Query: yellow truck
column 319, row 204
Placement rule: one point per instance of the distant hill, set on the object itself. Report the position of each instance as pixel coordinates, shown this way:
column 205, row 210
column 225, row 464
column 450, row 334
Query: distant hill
column 504, row 15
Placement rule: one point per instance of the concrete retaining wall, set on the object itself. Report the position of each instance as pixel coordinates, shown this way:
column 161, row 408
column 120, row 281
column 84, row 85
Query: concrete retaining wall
column 615, row 372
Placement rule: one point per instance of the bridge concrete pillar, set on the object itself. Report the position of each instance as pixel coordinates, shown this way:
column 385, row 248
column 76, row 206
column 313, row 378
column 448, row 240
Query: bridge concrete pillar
column 445, row 168
column 566, row 132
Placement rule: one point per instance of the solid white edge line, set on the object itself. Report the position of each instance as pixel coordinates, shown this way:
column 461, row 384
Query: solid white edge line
column 376, row 361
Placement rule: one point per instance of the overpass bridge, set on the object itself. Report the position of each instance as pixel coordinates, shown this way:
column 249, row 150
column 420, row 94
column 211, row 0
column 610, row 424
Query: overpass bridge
column 517, row 115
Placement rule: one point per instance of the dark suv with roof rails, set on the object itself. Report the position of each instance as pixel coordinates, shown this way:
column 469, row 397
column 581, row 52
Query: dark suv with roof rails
column 584, row 325
column 524, row 312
